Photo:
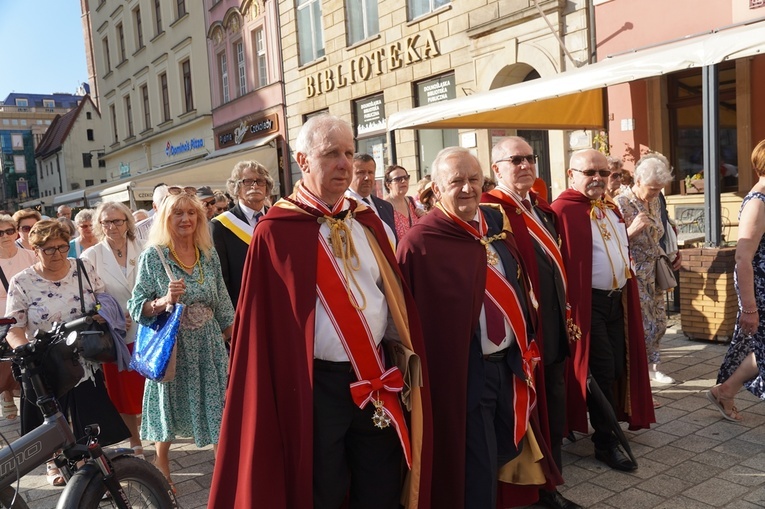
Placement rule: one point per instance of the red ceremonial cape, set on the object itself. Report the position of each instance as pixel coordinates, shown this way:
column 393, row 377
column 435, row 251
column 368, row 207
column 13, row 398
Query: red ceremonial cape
column 439, row 258
column 634, row 400
column 266, row 442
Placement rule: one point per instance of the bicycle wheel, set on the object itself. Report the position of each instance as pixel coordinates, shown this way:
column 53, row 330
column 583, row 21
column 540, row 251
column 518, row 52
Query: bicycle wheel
column 6, row 496
column 143, row 483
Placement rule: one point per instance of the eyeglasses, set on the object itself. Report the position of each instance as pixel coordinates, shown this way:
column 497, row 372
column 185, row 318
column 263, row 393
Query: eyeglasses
column 253, row 182
column 592, row 173
column 50, row 251
column 113, row 222
column 398, row 180
column 9, row 232
column 221, row 210
column 616, row 175
column 25, row 229
column 517, row 160
column 175, row 190
column 85, row 226
column 209, row 203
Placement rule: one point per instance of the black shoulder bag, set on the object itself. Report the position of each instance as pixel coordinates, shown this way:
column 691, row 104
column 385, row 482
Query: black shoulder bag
column 96, row 343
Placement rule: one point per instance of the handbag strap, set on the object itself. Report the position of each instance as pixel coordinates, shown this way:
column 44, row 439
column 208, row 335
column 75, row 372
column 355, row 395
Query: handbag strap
column 164, row 263
column 3, row 279
column 80, row 272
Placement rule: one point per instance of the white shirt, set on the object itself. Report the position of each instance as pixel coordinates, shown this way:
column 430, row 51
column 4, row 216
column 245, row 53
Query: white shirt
column 350, row 193
column 607, row 264
column 250, row 213
column 327, row 345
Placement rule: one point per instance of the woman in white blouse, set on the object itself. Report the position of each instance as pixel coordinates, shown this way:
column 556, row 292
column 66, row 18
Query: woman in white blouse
column 115, row 258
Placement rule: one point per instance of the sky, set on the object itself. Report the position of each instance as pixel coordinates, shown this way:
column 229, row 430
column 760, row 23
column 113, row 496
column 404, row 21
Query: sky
column 42, row 50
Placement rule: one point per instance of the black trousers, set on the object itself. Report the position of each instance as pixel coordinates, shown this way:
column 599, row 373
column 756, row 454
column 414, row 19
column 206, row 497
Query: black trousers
column 607, row 360
column 489, row 440
column 351, row 457
column 555, row 392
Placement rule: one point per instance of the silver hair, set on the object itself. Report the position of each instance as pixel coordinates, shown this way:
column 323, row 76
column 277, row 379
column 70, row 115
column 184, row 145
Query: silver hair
column 316, row 129
column 159, row 195
column 233, row 185
column 106, row 206
column 437, row 173
column 615, row 161
column 653, row 169
column 500, row 152
column 84, row 215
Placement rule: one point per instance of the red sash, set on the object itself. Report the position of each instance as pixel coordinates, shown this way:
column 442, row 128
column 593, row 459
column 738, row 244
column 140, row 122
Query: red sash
column 374, row 385
column 501, row 292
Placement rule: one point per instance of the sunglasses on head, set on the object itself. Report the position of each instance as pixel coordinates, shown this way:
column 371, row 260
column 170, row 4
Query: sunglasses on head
column 517, row 160
column 9, row 232
column 176, row 190
column 592, row 172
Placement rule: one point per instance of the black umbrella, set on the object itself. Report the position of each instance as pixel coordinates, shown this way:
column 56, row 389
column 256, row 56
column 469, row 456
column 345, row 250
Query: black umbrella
column 599, row 399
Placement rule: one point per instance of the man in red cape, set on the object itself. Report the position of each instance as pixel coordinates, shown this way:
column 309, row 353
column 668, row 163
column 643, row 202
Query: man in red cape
column 535, row 233
column 283, row 403
column 605, row 305
column 482, row 385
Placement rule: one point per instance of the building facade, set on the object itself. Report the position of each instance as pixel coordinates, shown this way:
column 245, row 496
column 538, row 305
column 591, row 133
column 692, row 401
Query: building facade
column 365, row 60
column 24, row 118
column 244, row 52
column 70, row 155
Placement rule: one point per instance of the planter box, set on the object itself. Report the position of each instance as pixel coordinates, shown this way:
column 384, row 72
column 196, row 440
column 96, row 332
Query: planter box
column 696, row 187
column 708, row 303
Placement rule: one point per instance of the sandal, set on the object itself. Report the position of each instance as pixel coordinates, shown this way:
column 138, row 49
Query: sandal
column 172, row 485
column 656, row 403
column 731, row 413
column 9, row 410
column 53, row 476
column 138, row 452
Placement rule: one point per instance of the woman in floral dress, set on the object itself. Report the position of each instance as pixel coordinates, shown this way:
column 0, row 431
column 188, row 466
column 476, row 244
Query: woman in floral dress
column 744, row 364
column 642, row 214
column 192, row 403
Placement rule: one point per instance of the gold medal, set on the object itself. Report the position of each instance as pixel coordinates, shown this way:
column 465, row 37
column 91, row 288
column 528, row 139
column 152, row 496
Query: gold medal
column 491, row 257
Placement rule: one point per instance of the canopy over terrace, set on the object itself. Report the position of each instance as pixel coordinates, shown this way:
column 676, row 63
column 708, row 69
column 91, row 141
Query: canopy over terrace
column 575, row 99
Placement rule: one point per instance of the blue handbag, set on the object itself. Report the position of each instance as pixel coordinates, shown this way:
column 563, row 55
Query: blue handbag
column 154, row 352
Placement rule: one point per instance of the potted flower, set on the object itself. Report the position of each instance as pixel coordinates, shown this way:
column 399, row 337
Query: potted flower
column 694, row 183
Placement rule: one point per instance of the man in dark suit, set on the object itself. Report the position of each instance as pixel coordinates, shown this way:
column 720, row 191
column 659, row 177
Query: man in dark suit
column 232, row 230
column 534, row 229
column 361, row 188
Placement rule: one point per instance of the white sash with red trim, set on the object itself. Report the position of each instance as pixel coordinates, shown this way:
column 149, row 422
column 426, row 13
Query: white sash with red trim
column 375, row 384
column 502, row 293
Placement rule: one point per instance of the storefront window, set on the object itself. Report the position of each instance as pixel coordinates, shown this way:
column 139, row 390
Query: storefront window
column 686, row 126
column 431, row 141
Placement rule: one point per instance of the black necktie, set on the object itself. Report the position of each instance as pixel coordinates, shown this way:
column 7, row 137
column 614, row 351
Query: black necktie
column 367, row 201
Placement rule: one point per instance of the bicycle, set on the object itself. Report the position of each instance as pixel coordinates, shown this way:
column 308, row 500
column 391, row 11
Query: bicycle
column 111, row 477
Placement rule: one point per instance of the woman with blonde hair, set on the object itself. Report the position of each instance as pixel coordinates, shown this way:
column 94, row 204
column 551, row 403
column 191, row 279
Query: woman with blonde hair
column 115, row 258
column 192, row 403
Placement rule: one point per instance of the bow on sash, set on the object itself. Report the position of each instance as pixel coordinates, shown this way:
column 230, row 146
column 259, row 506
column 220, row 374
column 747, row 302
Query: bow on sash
column 365, row 391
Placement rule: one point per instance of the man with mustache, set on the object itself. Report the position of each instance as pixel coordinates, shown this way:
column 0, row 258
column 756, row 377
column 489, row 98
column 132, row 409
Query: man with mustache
column 232, row 230
column 605, row 305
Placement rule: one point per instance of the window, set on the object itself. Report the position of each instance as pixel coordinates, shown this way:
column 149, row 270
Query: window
column 88, row 115
column 157, row 17
column 90, row 134
column 113, row 114
column 188, row 97
column 129, row 115
column 181, row 8
column 146, row 107
column 241, row 69
column 260, row 58
column 223, row 63
column 165, row 97
column 88, row 182
column 107, row 58
column 49, row 103
column 310, row 36
column 363, row 21
column 418, row 8
column 87, row 160
column 121, row 40
column 431, row 141
column 22, row 102
column 138, row 27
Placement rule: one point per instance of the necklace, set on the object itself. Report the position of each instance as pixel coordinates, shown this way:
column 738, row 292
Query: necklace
column 201, row 278
column 119, row 253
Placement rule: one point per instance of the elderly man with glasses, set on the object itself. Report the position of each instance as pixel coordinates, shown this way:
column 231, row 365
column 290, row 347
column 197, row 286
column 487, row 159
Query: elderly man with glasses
column 605, row 305
column 251, row 184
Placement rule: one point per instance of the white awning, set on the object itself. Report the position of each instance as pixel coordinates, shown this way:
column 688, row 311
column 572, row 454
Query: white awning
column 75, row 199
column 574, row 99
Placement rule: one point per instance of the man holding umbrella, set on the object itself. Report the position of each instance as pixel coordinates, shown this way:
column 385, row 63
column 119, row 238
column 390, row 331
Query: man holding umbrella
column 605, row 305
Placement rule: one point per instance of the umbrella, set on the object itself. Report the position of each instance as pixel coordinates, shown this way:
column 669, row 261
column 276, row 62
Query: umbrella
column 599, row 399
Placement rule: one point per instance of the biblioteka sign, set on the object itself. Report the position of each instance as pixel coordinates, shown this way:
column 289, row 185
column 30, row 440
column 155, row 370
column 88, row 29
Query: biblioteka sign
column 416, row 48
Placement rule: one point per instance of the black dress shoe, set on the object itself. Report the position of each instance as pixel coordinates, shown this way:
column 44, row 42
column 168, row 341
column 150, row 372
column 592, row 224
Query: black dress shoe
column 615, row 458
column 554, row 500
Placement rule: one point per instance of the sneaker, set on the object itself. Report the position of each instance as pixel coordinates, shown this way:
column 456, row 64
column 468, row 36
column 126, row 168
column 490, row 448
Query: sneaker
column 658, row 376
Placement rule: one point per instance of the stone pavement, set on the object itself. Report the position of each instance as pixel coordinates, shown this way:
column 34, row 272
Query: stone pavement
column 690, row 459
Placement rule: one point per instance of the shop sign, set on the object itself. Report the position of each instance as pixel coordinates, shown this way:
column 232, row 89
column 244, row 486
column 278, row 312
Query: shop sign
column 186, row 146
column 436, row 90
column 22, row 189
column 413, row 49
column 249, row 129
column 370, row 115
column 124, row 170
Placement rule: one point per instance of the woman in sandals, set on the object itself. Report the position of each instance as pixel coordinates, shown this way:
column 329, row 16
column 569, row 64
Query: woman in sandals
column 191, row 404
column 12, row 261
column 744, row 364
